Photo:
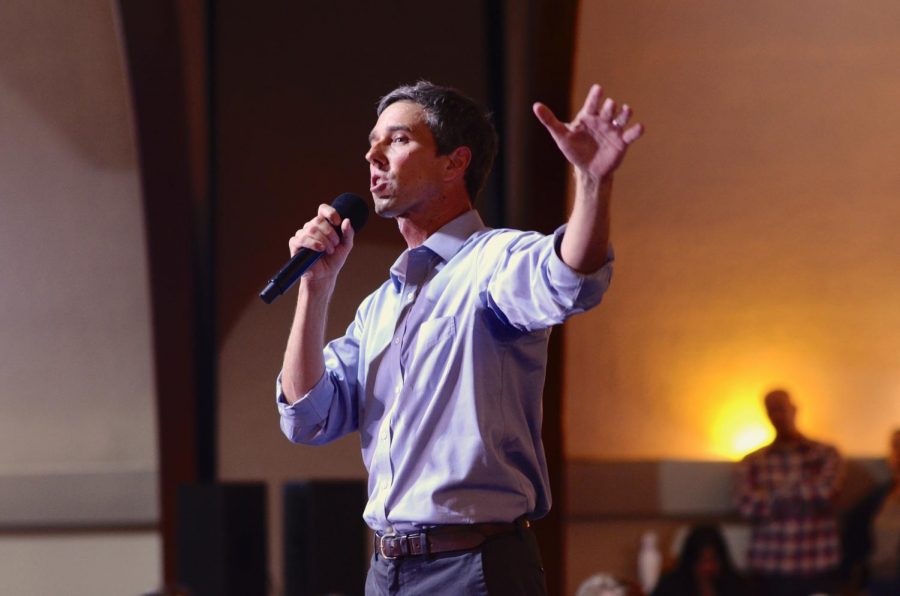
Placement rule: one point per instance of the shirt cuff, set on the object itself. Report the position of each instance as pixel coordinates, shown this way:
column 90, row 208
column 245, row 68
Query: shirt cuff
column 565, row 276
column 312, row 408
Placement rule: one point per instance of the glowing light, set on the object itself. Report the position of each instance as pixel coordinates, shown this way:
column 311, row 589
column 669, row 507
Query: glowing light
column 739, row 426
column 749, row 439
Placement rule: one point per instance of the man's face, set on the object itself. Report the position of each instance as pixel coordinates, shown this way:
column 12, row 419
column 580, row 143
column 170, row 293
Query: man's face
column 782, row 413
column 405, row 170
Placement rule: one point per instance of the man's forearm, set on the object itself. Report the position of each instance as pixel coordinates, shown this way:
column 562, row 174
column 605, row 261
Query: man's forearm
column 586, row 240
column 304, row 363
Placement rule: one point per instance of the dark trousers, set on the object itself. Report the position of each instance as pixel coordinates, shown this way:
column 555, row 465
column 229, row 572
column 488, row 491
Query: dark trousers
column 509, row 564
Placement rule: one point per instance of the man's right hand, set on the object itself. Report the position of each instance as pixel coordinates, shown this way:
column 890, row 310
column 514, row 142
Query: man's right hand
column 319, row 234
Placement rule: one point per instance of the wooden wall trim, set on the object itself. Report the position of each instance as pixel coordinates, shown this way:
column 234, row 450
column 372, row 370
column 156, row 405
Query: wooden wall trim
column 152, row 32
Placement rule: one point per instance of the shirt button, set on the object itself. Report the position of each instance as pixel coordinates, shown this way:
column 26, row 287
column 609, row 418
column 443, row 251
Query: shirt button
column 397, row 341
column 410, row 296
column 384, row 435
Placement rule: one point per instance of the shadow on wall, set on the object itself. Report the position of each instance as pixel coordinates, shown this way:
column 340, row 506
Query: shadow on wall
column 36, row 59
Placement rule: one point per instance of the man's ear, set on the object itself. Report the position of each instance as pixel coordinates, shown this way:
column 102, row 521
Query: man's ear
column 458, row 163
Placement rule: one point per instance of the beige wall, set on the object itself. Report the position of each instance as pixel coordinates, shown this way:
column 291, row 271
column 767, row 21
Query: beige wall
column 76, row 383
column 77, row 430
column 755, row 228
column 90, row 564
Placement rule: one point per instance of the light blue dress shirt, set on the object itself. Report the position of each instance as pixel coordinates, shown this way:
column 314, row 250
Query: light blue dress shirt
column 442, row 373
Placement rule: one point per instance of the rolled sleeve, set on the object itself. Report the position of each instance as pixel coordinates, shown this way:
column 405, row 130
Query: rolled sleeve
column 302, row 421
column 588, row 287
column 530, row 287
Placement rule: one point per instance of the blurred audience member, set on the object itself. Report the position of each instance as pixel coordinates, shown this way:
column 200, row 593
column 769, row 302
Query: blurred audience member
column 704, row 568
column 786, row 489
column 872, row 534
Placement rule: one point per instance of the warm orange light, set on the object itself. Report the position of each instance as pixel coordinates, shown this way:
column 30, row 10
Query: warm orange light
column 728, row 390
column 749, row 439
column 738, row 425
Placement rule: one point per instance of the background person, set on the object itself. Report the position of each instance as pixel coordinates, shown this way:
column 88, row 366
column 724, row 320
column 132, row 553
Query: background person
column 872, row 534
column 704, row 568
column 786, row 489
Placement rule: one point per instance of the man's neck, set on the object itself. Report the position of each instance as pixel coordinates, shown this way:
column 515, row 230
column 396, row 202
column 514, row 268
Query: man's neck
column 788, row 437
column 417, row 228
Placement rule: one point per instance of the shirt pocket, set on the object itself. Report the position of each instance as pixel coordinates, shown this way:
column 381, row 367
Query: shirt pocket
column 435, row 331
column 434, row 359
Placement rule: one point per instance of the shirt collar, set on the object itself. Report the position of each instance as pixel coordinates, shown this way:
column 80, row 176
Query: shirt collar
column 445, row 242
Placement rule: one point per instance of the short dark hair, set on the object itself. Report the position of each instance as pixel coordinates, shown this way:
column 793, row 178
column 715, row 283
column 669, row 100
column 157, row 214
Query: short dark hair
column 455, row 121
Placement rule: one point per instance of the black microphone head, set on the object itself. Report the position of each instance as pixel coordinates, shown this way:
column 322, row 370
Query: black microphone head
column 352, row 207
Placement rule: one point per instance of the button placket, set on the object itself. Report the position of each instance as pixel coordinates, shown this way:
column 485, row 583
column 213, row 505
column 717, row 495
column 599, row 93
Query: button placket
column 417, row 269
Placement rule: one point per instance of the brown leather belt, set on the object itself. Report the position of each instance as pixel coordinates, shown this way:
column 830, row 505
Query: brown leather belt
column 442, row 539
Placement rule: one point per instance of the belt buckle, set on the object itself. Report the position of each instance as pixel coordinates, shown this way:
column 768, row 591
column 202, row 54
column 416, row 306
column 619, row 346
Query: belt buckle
column 381, row 546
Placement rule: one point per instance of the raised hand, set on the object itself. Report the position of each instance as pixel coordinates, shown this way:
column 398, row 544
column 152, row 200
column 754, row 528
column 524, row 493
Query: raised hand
column 596, row 139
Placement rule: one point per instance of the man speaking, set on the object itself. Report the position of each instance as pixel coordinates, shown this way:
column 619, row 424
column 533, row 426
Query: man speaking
column 442, row 370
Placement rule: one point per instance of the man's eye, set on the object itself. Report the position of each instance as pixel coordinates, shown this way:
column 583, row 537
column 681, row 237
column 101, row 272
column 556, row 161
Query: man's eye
column 400, row 139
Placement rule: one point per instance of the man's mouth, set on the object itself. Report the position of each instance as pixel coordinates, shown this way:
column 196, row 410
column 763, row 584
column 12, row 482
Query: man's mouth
column 378, row 185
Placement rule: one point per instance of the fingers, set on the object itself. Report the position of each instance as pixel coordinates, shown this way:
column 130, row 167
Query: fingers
column 632, row 134
column 622, row 118
column 348, row 233
column 608, row 109
column 629, row 135
column 296, row 242
column 591, row 107
column 549, row 119
column 592, row 101
column 330, row 213
column 321, row 232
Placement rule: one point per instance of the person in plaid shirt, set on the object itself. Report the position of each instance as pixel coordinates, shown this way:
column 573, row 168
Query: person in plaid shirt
column 787, row 489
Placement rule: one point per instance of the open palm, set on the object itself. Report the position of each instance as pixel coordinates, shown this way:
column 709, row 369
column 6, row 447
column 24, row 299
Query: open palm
column 595, row 141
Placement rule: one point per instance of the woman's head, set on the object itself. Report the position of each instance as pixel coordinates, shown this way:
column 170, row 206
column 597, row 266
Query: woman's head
column 705, row 554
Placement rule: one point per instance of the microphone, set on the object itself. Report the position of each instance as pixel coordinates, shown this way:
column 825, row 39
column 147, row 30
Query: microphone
column 349, row 206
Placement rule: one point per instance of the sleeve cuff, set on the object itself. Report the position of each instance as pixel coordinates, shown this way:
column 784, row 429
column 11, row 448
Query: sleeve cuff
column 565, row 276
column 311, row 409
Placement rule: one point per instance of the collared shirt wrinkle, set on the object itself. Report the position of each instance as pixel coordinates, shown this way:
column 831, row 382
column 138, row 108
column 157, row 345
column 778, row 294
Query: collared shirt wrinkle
column 442, row 372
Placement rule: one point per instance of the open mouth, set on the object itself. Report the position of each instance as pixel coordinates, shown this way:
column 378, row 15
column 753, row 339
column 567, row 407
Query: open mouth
column 378, row 186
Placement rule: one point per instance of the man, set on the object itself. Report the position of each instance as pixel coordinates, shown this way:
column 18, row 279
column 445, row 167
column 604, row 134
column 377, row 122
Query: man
column 441, row 371
column 787, row 489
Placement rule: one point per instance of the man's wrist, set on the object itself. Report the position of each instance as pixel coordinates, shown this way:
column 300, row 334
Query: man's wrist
column 317, row 288
column 591, row 186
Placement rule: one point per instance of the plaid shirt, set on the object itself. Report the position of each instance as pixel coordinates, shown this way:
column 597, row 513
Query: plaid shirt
column 787, row 491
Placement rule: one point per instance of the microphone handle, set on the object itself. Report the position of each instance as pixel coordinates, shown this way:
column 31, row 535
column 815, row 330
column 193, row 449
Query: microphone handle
column 289, row 274
column 282, row 281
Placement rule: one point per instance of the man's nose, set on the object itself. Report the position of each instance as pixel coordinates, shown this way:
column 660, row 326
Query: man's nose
column 375, row 156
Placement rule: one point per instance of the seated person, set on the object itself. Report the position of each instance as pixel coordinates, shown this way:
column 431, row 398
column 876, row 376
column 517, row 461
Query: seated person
column 704, row 568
